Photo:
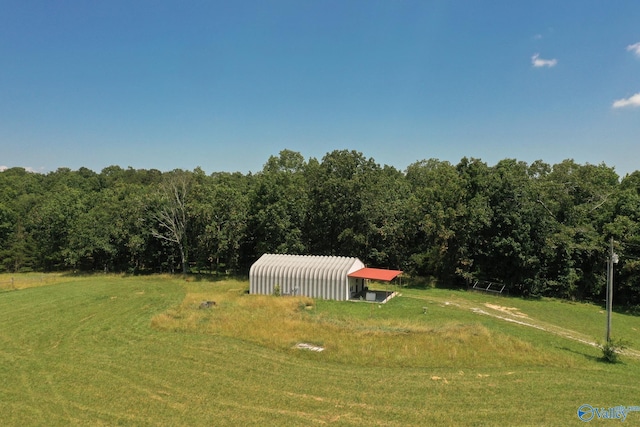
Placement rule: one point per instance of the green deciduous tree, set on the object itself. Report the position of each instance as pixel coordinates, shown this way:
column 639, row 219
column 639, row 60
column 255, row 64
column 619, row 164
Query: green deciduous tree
column 278, row 205
column 436, row 204
column 336, row 225
column 219, row 210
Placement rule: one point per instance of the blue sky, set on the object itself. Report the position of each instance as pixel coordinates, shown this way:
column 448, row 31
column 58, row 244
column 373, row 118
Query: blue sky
column 225, row 84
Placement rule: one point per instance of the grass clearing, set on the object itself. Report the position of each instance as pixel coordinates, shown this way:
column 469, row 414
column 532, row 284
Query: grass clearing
column 110, row 350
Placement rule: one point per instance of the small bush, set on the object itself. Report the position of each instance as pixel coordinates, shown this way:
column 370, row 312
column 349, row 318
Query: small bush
column 611, row 350
column 276, row 290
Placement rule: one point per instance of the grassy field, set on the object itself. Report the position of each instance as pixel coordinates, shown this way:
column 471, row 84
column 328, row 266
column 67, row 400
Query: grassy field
column 109, row 350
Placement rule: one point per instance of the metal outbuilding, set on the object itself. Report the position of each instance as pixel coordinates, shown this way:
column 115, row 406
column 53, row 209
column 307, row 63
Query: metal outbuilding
column 324, row 277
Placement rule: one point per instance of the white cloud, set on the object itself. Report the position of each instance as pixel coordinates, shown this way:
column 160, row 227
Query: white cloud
column 632, row 101
column 539, row 62
column 3, row 168
column 635, row 48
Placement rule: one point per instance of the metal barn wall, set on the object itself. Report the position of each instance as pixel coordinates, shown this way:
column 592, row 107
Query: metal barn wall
column 323, row 277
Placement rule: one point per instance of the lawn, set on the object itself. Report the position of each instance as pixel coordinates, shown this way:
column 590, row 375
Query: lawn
column 110, row 350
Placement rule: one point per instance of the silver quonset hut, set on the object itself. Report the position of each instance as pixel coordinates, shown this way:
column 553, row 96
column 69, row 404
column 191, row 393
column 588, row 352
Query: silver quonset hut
column 324, row 277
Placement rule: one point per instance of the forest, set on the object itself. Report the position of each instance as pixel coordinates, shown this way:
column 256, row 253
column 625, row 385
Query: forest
column 539, row 229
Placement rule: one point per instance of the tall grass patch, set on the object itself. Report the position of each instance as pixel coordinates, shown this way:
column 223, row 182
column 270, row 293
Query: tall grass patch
column 394, row 334
column 14, row 282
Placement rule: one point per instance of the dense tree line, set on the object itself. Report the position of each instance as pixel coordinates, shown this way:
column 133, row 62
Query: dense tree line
column 540, row 229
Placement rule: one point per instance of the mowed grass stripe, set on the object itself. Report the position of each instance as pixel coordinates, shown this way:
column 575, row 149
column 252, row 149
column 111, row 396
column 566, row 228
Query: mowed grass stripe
column 61, row 332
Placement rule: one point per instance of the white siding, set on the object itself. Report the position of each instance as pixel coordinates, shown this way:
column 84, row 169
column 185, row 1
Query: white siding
column 323, row 277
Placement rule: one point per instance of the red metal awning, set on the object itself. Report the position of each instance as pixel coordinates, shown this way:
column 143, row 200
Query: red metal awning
column 376, row 274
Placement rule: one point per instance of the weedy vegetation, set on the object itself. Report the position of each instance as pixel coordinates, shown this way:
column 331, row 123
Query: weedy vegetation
column 612, row 349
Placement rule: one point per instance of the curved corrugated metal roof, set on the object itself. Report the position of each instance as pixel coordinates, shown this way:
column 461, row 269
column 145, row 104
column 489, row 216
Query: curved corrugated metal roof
column 311, row 275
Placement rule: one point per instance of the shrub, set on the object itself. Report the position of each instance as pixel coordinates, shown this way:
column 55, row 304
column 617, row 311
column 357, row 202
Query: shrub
column 611, row 350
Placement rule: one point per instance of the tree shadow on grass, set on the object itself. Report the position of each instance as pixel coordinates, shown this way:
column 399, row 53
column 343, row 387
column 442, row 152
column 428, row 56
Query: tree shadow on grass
column 416, row 282
column 190, row 277
column 592, row 358
column 206, row 277
column 589, row 357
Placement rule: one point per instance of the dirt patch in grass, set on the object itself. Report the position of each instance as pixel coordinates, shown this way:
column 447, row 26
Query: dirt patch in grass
column 310, row 347
column 513, row 311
